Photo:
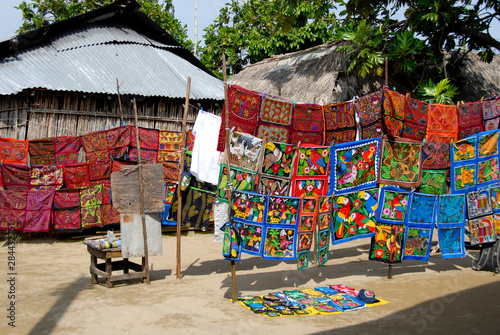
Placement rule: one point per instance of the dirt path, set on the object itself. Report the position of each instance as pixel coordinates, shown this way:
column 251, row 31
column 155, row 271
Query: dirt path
column 54, row 294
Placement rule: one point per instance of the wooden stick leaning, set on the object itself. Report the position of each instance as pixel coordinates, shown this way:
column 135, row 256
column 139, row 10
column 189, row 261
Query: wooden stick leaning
column 179, row 192
column 120, row 102
column 141, row 191
column 228, row 171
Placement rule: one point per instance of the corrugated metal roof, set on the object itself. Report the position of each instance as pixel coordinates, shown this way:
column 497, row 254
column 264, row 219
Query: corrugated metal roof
column 89, row 59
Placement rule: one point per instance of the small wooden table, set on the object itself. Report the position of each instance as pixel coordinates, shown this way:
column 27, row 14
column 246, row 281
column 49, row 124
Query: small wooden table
column 106, row 269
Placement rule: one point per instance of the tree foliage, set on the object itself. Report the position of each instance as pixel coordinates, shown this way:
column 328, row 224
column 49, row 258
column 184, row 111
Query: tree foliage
column 38, row 13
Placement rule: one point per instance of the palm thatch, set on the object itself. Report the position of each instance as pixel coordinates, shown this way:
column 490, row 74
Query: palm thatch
column 319, row 75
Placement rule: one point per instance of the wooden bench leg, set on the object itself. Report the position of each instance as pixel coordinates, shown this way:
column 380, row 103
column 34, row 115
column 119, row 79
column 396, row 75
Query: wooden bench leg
column 109, row 284
column 93, row 262
column 125, row 265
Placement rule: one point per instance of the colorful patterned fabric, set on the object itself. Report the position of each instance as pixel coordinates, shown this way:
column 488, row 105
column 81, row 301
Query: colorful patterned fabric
column 303, row 259
column 39, row 211
column 309, row 187
column 393, row 205
column 248, row 206
column 482, row 230
column 340, row 123
column 495, row 198
column 171, row 171
column 99, row 170
column 274, row 186
column 416, row 117
column 323, row 220
column 451, row 209
column 251, row 237
column 369, row 111
column 312, row 161
column 443, row 123
column 280, row 242
column 149, row 140
column 400, row 162
column 13, row 209
column 420, row 226
column 42, row 152
column 451, row 241
column 118, row 163
column 278, row 159
column 437, row 156
column 491, row 113
column 245, row 151
column 190, row 141
column 46, row 176
column 307, row 124
column 451, row 225
column 433, row 181
column 118, row 139
column 15, row 177
column 169, row 148
column 76, row 175
column 95, row 146
column 276, row 111
column 242, row 180
column 231, row 242
column 13, row 151
column 67, row 219
column 387, row 244
column 470, row 119
column 244, row 108
column 66, row 149
column 421, row 209
column 355, row 166
column 91, row 201
column 283, row 210
column 478, row 203
column 394, row 106
column 354, row 215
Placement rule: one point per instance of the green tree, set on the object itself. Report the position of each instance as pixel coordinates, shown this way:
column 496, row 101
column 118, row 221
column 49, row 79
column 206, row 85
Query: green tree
column 38, row 13
column 249, row 31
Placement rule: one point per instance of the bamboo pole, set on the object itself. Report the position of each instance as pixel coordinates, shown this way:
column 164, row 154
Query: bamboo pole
column 389, row 271
column 120, row 103
column 144, row 232
column 179, row 193
column 233, row 263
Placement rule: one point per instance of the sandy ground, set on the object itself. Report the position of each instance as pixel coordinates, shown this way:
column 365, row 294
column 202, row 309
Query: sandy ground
column 54, row 294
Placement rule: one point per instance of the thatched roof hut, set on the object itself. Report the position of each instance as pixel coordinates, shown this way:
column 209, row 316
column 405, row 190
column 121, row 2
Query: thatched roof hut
column 319, row 74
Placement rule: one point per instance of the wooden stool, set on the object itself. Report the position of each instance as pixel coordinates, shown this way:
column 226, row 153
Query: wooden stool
column 106, row 269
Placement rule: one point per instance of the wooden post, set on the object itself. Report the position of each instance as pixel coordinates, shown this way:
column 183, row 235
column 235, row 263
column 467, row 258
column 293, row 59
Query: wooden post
column 120, row 103
column 144, row 232
column 179, row 193
column 389, row 271
column 226, row 107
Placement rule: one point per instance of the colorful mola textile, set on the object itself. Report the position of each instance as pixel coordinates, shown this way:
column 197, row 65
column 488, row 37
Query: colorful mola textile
column 470, row 119
column 355, row 166
column 118, row 163
column 149, row 142
column 42, row 152
column 76, row 175
column 369, row 111
column 451, row 241
column 100, row 170
column 13, row 151
column 280, row 242
column 66, row 149
column 394, row 106
column 39, row 211
column 479, row 203
column 245, row 151
column 274, row 186
column 231, row 242
column 443, row 123
column 307, row 124
column 46, row 176
column 13, row 209
column 248, row 206
column 495, row 198
column 420, row 226
column 242, row 180
column 275, row 119
column 169, row 148
column 190, row 141
column 451, row 225
column 95, row 146
column 278, row 159
column 416, row 117
column 433, row 181
column 354, row 215
column 491, row 113
column 312, row 161
column 197, row 205
column 387, row 244
column 437, row 156
column 393, row 205
column 244, row 108
column 91, row 201
column 482, row 230
column 251, row 237
column 309, row 186
column 15, row 177
column 340, row 123
column 66, row 210
column 400, row 162
column 118, row 140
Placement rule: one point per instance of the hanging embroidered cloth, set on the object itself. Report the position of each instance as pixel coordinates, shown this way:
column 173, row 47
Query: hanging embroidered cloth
column 13, row 151
column 244, row 108
column 416, row 117
column 169, row 149
column 66, row 210
column 470, row 119
column 118, row 140
column 43, row 177
column 66, row 149
column 323, row 219
column 436, row 156
column 420, row 226
column 387, row 244
column 495, row 198
column 231, row 242
column 39, row 211
column 109, row 215
column 433, row 181
column 478, row 203
column 99, row 170
column 307, row 224
column 279, row 159
column 393, row 205
column 274, row 186
column 482, row 230
column 394, row 106
column 443, row 123
column 117, row 164
column 149, row 140
column 76, row 175
column 307, row 124
column 42, row 152
column 369, row 111
column 95, row 146
column 15, row 177
column 311, row 171
column 400, row 162
column 245, row 151
column 355, row 166
column 13, row 209
column 491, row 113
column 354, row 215
column 340, row 123
column 487, row 158
column 451, row 225
column 275, row 119
column 190, row 141
column 241, row 179
column 91, row 201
